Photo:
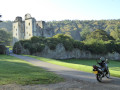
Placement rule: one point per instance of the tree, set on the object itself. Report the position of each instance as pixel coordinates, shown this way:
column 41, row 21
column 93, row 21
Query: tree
column 5, row 37
column 100, row 35
column 67, row 41
column 84, row 33
column 116, row 33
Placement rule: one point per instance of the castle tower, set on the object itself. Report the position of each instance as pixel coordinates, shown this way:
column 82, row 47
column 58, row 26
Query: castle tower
column 41, row 24
column 18, row 30
column 30, row 26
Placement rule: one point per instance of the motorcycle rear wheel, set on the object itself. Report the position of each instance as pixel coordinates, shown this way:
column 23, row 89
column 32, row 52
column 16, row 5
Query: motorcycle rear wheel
column 99, row 77
column 108, row 75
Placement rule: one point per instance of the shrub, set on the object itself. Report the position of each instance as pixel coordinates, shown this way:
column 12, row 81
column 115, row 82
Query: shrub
column 32, row 49
column 27, row 45
column 110, row 46
column 2, row 49
column 35, row 39
column 52, row 42
column 96, row 46
column 40, row 47
column 17, row 48
column 66, row 40
column 78, row 44
column 117, row 47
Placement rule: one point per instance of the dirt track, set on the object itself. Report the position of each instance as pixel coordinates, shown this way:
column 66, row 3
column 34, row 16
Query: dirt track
column 75, row 80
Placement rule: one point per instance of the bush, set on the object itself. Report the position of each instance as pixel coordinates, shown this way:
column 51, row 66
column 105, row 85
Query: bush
column 110, row 46
column 117, row 47
column 32, row 49
column 96, row 46
column 2, row 49
column 66, row 40
column 17, row 48
column 35, row 39
column 40, row 47
column 27, row 45
column 52, row 42
column 78, row 44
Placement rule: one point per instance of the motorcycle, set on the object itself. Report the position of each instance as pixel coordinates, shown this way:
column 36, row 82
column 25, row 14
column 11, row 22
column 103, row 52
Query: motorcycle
column 101, row 70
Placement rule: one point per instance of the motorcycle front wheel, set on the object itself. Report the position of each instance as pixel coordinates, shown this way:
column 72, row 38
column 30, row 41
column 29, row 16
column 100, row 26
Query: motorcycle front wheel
column 99, row 77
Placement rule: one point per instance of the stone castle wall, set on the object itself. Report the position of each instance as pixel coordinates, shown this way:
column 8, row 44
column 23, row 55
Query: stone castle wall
column 61, row 53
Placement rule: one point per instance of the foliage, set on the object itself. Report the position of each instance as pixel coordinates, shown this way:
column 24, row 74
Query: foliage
column 79, row 45
column 116, row 33
column 17, row 48
column 66, row 40
column 84, row 26
column 2, row 49
column 117, row 47
column 35, row 39
column 84, row 33
column 40, row 47
column 5, row 37
column 100, row 35
column 95, row 46
column 111, row 46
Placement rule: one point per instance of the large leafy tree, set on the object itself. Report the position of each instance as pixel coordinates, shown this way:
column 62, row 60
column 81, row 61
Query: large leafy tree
column 116, row 33
column 5, row 37
column 99, row 35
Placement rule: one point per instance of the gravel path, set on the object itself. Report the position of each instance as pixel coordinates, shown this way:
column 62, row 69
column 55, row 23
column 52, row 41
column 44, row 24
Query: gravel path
column 75, row 80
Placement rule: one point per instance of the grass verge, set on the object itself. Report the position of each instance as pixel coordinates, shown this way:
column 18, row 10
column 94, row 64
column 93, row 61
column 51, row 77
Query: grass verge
column 17, row 71
column 82, row 65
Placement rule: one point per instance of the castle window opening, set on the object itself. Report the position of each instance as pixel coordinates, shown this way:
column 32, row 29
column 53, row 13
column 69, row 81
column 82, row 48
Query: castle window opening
column 14, row 26
column 16, row 34
column 29, row 34
column 29, row 24
column 16, row 29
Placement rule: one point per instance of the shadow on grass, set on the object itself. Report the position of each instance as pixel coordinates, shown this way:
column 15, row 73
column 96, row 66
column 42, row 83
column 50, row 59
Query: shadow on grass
column 13, row 70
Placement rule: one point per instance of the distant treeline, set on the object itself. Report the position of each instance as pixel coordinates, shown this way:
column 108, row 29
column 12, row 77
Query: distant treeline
column 85, row 27
column 78, row 29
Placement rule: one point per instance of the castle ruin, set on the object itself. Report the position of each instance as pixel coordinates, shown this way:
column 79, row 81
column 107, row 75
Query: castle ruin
column 29, row 28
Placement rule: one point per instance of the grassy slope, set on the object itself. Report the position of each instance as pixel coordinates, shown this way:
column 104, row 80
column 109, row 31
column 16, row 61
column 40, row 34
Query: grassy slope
column 17, row 71
column 82, row 65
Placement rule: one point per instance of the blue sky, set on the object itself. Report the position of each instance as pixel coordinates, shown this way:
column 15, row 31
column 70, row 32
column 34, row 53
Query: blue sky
column 49, row 10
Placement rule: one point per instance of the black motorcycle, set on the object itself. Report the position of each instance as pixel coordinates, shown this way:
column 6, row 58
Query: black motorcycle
column 101, row 70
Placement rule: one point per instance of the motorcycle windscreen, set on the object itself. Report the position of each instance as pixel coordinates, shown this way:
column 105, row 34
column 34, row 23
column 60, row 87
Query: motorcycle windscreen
column 95, row 72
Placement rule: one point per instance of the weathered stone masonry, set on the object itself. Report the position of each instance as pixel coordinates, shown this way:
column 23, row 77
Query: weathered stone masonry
column 29, row 28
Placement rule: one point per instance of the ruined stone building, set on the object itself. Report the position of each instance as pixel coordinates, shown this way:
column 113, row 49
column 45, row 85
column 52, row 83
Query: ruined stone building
column 29, row 28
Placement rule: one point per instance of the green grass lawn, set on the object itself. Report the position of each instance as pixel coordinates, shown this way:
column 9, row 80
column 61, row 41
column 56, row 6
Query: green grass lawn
column 83, row 65
column 17, row 71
